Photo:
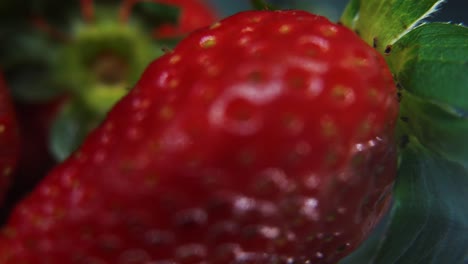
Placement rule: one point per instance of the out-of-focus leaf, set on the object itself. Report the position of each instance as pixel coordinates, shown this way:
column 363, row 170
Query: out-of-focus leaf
column 153, row 14
column 69, row 129
column 26, row 56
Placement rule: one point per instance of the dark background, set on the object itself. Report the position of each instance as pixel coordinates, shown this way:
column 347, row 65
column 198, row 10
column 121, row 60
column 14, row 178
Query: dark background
column 455, row 11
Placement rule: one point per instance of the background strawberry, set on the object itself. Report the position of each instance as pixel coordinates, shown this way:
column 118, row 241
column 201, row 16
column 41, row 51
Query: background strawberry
column 266, row 138
column 9, row 140
column 194, row 14
column 67, row 64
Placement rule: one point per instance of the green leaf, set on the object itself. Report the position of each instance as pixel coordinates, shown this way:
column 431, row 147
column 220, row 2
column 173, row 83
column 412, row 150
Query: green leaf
column 431, row 62
column 431, row 65
column 428, row 223
column 153, row 14
column 382, row 22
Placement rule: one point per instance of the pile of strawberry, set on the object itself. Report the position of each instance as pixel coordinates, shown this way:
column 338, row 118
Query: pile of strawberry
column 267, row 137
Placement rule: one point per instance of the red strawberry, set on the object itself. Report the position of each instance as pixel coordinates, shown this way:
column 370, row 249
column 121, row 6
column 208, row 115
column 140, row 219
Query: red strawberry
column 266, row 138
column 194, row 14
column 9, row 139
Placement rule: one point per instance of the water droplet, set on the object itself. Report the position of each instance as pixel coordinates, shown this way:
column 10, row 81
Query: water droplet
column 243, row 205
column 269, row 232
column 309, row 209
column 312, row 181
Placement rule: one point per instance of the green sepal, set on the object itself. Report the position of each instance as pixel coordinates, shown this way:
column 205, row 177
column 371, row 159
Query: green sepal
column 151, row 14
column 382, row 22
column 428, row 222
column 79, row 116
column 69, row 129
column 124, row 42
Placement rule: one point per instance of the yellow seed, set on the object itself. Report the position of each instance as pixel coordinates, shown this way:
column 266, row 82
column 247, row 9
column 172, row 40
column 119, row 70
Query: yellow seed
column 329, row 31
column 256, row 19
column 355, row 62
column 2, row 128
column 342, row 93
column 247, row 29
column 174, row 59
column 215, row 25
column 166, row 112
column 208, row 42
column 364, row 128
column 212, row 70
column 328, row 127
column 373, row 95
column 284, row 29
column 173, row 83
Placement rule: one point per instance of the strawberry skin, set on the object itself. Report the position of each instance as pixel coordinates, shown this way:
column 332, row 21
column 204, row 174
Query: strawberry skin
column 9, row 139
column 266, row 138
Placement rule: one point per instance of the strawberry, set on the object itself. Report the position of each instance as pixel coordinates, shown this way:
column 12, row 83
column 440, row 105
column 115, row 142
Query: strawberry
column 9, row 139
column 265, row 138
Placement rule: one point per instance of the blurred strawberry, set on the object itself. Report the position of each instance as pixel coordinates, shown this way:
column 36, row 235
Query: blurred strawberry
column 9, row 140
column 67, row 63
column 194, row 14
